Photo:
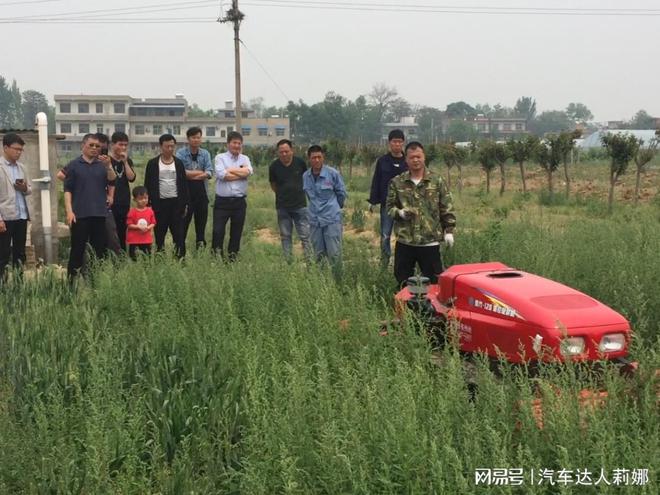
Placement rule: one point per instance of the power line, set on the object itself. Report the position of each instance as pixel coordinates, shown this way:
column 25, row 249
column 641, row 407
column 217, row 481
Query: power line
column 265, row 71
column 28, row 2
column 373, row 7
column 119, row 10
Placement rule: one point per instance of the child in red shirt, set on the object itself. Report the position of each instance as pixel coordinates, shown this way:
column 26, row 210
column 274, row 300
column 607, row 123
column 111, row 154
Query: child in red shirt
column 140, row 224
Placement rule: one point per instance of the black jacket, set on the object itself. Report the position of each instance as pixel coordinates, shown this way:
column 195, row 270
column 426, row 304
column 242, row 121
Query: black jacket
column 151, row 183
column 385, row 172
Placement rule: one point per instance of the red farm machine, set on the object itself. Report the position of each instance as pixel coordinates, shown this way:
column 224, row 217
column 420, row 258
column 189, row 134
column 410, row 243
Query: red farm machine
column 519, row 317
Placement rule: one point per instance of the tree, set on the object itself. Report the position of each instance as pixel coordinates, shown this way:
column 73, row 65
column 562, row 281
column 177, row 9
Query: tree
column 33, row 103
column 621, row 148
column 551, row 122
column 16, row 108
column 521, row 150
column 6, row 105
column 196, row 111
column 461, row 131
column 429, row 123
column 459, row 109
column 565, row 144
column 525, row 107
column 501, row 155
column 398, row 108
column 381, row 97
column 369, row 154
column 257, row 104
column 453, row 156
column 548, row 157
column 642, row 120
column 487, row 156
column 578, row 112
column 643, row 156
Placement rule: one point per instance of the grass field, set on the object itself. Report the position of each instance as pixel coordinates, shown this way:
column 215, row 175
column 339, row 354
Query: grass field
column 260, row 377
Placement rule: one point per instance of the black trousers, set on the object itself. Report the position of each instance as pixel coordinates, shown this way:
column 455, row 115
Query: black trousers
column 231, row 210
column 199, row 209
column 134, row 248
column 120, row 213
column 406, row 257
column 12, row 246
column 169, row 217
column 86, row 230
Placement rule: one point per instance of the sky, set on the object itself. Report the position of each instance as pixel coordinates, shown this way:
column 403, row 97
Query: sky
column 297, row 50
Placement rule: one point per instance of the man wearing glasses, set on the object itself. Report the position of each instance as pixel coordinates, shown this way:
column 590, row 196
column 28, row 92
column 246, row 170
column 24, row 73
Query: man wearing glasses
column 85, row 202
column 14, row 187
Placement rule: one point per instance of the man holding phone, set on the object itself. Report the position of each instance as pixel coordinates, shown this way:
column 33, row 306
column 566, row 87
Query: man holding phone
column 14, row 187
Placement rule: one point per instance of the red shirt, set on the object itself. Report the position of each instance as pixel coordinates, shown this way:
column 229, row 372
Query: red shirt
column 137, row 236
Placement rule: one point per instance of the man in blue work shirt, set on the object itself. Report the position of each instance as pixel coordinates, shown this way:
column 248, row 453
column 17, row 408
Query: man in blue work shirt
column 326, row 195
column 232, row 170
column 388, row 166
column 199, row 170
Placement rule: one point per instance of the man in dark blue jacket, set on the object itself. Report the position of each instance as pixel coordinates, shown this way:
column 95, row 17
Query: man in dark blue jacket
column 387, row 167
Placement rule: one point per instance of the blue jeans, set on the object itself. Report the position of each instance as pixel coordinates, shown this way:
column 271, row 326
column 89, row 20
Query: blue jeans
column 386, row 225
column 286, row 220
column 326, row 241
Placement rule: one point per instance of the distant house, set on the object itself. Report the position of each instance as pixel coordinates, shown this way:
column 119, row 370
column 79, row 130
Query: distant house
column 145, row 119
column 500, row 126
column 407, row 124
column 594, row 140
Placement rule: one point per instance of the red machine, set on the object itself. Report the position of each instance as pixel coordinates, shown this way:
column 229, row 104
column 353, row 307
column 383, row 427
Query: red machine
column 519, row 316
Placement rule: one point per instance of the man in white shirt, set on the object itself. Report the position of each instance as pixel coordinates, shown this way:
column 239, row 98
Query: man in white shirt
column 232, row 170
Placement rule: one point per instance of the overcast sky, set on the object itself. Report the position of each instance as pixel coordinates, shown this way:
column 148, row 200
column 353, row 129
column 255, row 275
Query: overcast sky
column 609, row 63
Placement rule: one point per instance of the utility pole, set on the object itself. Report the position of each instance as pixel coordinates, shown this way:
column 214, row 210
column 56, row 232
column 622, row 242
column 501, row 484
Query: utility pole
column 235, row 16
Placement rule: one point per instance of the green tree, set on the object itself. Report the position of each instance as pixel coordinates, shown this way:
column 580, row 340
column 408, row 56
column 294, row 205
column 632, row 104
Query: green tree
column 369, row 153
column 521, row 150
column 33, row 103
column 459, row 109
column 429, row 123
column 195, row 111
column 643, row 156
column 565, row 145
column 550, row 122
column 454, row 156
column 382, row 96
column 461, row 131
column 641, row 120
column 487, row 155
column 549, row 158
column 525, row 107
column 621, row 149
column 6, row 105
column 578, row 112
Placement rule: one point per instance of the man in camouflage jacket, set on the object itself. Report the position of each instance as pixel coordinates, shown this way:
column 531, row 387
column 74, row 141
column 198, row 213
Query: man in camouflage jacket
column 421, row 206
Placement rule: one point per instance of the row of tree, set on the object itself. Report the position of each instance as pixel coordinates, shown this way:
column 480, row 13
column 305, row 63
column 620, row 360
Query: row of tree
column 361, row 120
column 552, row 153
column 19, row 108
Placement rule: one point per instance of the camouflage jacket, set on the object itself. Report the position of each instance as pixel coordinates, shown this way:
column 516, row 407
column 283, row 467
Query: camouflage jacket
column 430, row 203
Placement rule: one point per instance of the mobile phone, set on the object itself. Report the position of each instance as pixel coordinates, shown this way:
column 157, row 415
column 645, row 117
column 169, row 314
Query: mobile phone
column 20, row 181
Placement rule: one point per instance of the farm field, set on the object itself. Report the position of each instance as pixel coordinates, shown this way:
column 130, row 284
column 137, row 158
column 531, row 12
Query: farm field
column 261, row 377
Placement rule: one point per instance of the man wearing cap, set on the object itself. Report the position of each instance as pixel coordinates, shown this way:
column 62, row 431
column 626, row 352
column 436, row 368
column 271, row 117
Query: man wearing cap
column 388, row 166
column 421, row 206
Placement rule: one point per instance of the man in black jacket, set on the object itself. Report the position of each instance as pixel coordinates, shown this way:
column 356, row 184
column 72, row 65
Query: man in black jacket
column 165, row 179
column 387, row 167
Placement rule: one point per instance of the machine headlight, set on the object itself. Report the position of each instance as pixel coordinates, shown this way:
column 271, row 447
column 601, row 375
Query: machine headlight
column 612, row 342
column 572, row 346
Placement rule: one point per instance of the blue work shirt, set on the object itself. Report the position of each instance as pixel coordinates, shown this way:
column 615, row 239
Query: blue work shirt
column 326, row 195
column 203, row 161
column 15, row 172
column 234, row 188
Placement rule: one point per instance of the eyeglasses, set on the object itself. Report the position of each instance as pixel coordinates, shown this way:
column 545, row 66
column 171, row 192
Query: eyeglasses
column 15, row 148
